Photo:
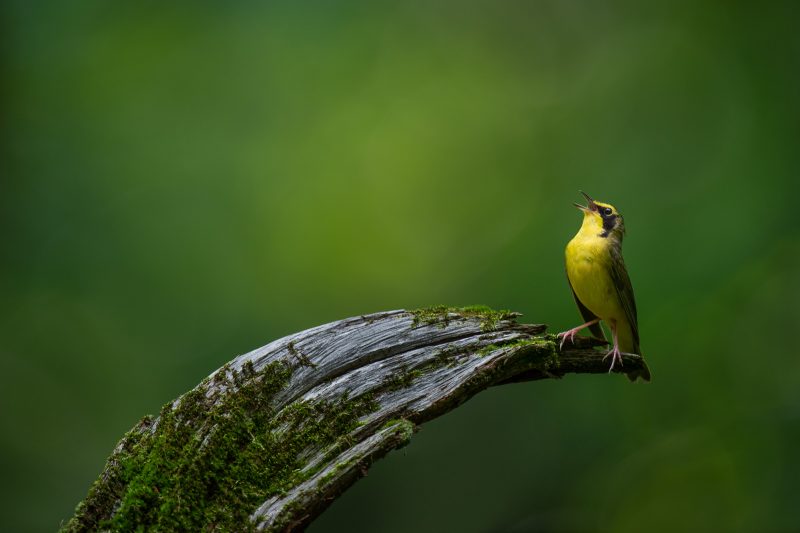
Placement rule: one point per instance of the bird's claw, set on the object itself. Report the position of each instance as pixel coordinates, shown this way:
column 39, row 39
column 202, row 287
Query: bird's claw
column 616, row 355
column 569, row 334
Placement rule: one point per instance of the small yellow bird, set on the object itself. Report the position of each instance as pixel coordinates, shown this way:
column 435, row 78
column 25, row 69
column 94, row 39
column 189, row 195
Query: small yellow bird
column 600, row 283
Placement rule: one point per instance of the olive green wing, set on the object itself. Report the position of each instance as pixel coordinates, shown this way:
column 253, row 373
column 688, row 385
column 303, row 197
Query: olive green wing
column 587, row 315
column 624, row 289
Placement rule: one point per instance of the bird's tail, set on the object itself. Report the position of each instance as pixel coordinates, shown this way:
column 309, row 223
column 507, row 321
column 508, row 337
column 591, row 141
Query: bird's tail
column 643, row 372
column 629, row 342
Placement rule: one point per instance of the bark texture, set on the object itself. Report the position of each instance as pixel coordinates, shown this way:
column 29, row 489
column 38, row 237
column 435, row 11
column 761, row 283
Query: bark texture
column 269, row 440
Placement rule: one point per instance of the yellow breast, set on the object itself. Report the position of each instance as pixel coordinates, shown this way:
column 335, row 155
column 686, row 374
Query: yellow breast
column 588, row 269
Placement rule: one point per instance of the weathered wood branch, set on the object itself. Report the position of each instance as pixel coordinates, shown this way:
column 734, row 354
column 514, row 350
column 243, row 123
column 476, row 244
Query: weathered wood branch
column 268, row 441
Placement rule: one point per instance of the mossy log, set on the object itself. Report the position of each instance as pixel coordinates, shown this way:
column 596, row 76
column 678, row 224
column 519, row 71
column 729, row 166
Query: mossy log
column 269, row 440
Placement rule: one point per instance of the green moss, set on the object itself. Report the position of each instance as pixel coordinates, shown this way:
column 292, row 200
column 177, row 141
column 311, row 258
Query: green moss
column 441, row 314
column 393, row 422
column 405, row 377
column 335, row 471
column 401, row 380
column 551, row 361
column 403, row 428
column 449, row 356
column 213, row 457
column 106, row 490
column 515, row 343
column 486, row 350
column 303, row 358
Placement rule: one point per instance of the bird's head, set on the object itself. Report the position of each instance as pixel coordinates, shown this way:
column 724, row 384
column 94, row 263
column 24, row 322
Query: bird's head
column 602, row 217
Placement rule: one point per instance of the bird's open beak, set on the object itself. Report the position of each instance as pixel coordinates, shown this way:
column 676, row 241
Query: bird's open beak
column 591, row 207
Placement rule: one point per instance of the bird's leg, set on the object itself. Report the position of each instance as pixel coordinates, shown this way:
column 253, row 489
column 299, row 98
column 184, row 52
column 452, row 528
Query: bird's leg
column 614, row 352
column 570, row 333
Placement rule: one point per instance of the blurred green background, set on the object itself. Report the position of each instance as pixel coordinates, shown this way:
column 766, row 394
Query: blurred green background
column 183, row 182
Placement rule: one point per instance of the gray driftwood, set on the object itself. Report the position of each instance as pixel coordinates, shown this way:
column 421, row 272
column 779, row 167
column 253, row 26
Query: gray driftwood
column 413, row 366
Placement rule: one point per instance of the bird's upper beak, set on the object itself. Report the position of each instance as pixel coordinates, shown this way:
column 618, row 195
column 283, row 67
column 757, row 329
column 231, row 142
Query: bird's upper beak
column 591, row 205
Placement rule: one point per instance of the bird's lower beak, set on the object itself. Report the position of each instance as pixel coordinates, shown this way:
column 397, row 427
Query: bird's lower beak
column 590, row 207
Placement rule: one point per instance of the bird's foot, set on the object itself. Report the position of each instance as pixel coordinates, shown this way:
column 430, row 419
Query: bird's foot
column 616, row 355
column 569, row 334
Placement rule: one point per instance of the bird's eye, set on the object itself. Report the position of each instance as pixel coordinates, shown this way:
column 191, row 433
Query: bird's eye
column 607, row 211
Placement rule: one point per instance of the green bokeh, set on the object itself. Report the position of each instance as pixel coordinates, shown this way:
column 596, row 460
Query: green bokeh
column 182, row 183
